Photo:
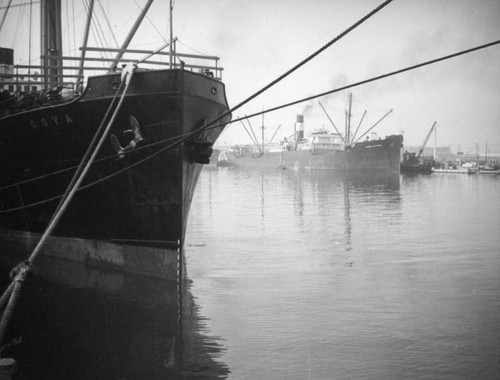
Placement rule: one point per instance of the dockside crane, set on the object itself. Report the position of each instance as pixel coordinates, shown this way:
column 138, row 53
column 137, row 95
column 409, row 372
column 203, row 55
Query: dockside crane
column 421, row 150
column 412, row 161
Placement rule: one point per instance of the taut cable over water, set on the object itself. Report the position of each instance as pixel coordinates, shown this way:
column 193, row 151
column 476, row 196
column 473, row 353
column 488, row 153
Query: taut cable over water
column 382, row 76
column 20, row 273
column 215, row 123
column 283, row 76
column 182, row 138
column 207, row 122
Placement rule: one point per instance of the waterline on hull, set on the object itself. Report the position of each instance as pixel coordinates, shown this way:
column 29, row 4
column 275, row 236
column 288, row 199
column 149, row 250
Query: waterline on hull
column 150, row 261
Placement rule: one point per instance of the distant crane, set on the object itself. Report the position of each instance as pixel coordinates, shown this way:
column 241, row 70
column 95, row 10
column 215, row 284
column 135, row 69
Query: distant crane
column 412, row 161
column 421, row 150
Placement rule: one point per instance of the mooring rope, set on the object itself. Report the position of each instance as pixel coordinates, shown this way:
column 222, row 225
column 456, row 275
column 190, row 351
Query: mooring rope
column 14, row 289
column 290, row 71
column 182, row 138
column 127, row 77
column 382, row 76
column 20, row 272
column 179, row 139
column 91, row 148
column 210, row 125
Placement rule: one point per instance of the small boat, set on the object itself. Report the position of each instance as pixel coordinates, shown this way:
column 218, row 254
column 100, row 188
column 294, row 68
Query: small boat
column 489, row 169
column 139, row 131
column 466, row 168
column 222, row 159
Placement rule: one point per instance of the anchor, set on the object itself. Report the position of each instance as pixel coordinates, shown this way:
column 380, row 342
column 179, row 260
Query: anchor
column 137, row 138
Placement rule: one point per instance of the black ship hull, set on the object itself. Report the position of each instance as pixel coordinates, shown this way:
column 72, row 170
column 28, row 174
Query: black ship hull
column 131, row 210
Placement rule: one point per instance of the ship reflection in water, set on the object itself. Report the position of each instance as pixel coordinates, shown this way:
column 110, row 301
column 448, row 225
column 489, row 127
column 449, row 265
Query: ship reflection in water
column 296, row 275
column 312, row 275
column 75, row 322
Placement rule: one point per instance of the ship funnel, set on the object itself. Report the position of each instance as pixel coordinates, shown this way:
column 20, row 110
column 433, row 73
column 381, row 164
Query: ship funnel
column 299, row 127
column 6, row 61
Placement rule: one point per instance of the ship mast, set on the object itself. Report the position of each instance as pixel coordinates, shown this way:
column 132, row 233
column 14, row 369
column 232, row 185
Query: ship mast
column 51, row 41
column 170, row 52
column 262, row 133
column 348, row 123
column 79, row 83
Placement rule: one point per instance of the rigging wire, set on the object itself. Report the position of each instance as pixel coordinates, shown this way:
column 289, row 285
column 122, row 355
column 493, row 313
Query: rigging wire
column 179, row 139
column 20, row 22
column 5, row 14
column 297, row 66
column 192, row 49
column 152, row 24
column 182, row 138
column 106, row 18
column 212, row 124
column 97, row 33
column 357, row 100
column 372, row 79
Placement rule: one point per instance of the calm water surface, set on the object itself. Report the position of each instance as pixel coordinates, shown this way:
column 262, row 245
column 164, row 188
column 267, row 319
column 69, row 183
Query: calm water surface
column 292, row 275
column 311, row 276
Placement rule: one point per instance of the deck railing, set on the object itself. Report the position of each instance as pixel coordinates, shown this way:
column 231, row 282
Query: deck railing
column 26, row 78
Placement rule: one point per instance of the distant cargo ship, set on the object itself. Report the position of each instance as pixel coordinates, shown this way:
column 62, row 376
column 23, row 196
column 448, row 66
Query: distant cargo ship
column 321, row 149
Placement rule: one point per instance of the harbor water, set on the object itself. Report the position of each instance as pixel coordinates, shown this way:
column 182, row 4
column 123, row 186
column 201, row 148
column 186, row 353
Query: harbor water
column 292, row 275
column 310, row 276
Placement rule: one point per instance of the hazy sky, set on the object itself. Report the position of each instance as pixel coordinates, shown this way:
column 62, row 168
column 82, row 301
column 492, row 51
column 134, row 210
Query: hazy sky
column 259, row 40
